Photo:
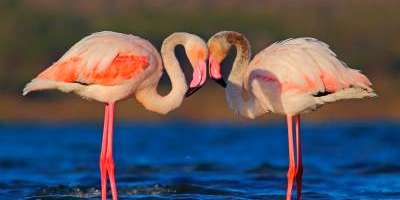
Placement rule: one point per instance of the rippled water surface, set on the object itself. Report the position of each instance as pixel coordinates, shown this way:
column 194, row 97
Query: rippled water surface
column 185, row 160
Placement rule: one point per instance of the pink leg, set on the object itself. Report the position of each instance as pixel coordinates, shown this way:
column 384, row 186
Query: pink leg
column 299, row 170
column 103, row 169
column 291, row 171
column 109, row 154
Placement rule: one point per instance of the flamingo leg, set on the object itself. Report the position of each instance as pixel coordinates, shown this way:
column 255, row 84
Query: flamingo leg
column 103, row 169
column 292, row 168
column 299, row 169
column 109, row 153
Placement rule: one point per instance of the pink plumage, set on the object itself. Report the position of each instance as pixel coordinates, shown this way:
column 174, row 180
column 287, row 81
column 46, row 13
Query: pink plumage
column 108, row 67
column 301, row 69
column 101, row 59
column 290, row 78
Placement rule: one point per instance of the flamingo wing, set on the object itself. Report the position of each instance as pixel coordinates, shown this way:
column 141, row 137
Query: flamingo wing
column 104, row 58
column 299, row 75
column 306, row 65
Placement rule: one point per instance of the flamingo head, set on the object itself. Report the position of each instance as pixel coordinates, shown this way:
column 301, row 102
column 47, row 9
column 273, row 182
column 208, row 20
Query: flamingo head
column 197, row 52
column 218, row 48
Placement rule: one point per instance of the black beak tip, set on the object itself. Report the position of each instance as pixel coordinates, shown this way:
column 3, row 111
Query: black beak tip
column 191, row 91
column 221, row 82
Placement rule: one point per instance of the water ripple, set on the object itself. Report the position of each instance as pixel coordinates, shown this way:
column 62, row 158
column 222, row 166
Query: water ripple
column 213, row 161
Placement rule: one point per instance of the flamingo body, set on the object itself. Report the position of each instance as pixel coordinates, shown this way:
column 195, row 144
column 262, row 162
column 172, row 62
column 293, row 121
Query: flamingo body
column 104, row 66
column 289, row 77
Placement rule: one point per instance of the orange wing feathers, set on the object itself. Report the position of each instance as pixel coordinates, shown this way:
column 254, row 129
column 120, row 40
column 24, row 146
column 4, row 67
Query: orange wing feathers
column 61, row 71
column 124, row 67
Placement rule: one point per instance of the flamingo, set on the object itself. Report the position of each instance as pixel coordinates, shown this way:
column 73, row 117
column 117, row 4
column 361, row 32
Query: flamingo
column 109, row 66
column 290, row 77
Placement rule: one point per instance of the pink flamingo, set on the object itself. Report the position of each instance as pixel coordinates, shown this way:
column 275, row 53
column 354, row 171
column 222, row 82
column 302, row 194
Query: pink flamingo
column 290, row 78
column 108, row 67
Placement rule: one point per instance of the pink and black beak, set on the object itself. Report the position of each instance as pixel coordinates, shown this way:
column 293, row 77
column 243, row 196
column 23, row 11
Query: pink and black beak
column 199, row 78
column 215, row 72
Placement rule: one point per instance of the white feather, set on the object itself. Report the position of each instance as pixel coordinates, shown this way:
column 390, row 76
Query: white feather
column 302, row 64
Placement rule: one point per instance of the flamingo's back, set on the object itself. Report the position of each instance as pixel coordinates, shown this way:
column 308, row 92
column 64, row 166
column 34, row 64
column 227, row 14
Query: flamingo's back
column 104, row 58
column 305, row 72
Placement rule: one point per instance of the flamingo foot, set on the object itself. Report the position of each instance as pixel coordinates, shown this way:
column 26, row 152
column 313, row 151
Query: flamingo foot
column 299, row 180
column 291, row 175
column 111, row 176
column 103, row 174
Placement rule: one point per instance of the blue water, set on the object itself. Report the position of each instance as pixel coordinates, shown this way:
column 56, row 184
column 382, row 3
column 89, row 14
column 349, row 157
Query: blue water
column 185, row 160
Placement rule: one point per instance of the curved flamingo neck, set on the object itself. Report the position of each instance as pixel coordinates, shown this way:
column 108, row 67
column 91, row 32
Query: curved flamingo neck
column 239, row 98
column 242, row 58
column 149, row 96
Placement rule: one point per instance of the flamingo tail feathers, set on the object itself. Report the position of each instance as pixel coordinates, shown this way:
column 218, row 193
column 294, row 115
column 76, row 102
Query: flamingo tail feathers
column 360, row 88
column 45, row 84
column 360, row 79
column 348, row 93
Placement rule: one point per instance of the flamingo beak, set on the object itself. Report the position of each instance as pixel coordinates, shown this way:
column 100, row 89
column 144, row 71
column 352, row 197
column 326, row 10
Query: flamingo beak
column 215, row 72
column 191, row 91
column 199, row 78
